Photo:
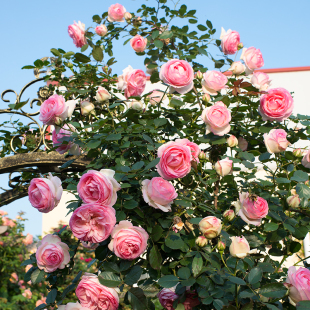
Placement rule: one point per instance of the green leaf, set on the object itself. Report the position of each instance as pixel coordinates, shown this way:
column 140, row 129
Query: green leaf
column 295, row 247
column 55, row 52
column 109, row 279
column 209, row 24
column 113, row 137
column 155, row 34
column 93, row 144
column 28, row 67
column 303, row 305
column 67, row 164
column 158, row 43
column 84, row 48
column 236, row 280
column 168, row 281
column 160, row 122
column 137, row 165
column 192, row 21
column 152, row 164
column 137, row 298
column 97, row 53
column 303, row 190
column 264, row 156
column 37, row 276
column 166, row 35
column 271, row 226
column 283, row 180
column 174, row 241
column 130, row 204
column 51, row 296
column 176, row 102
column 300, row 176
column 81, row 58
column 197, row 264
column 68, row 54
column 147, row 138
column 195, row 220
column 255, row 275
column 155, row 258
column 273, row 290
column 218, row 304
column 184, row 273
column 202, row 27
column 20, row 104
column 133, row 275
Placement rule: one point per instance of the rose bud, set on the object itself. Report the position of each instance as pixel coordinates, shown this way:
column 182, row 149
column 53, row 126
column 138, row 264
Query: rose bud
column 127, row 17
column 199, row 75
column 102, row 94
column 101, row 30
column 201, row 241
column 202, row 155
column 239, row 247
column 298, row 153
column 221, row 246
column 243, row 144
column 237, row 67
column 206, row 98
column 229, row 215
column 87, row 107
column 137, row 21
column 224, row 167
column 136, row 105
column 240, row 46
column 210, row 226
column 105, row 69
column 232, row 141
column 293, row 201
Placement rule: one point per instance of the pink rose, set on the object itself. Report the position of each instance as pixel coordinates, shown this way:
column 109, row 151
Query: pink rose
column 166, row 298
column 156, row 96
column 298, row 282
column 65, row 132
column 41, row 302
column 14, row 277
column 210, row 226
column 28, row 240
column 232, row 141
column 3, row 213
column 195, row 149
column 253, row 208
column 27, row 268
column 237, row 68
column 178, row 74
column 276, row 141
column 175, row 160
column 252, row 58
column 101, row 30
column 229, row 215
column 138, row 43
column 55, row 110
column 27, row 293
column 260, row 80
column 159, row 193
column 52, row 254
column 128, row 241
column 77, row 33
column 230, row 41
column 277, row 105
column 45, row 193
column 95, row 296
column 239, row 247
column 73, row 306
column 116, row 13
column 201, row 241
column 217, row 118
column 306, row 160
column 224, row 167
column 7, row 222
column 191, row 300
column 99, row 187
column 102, row 94
column 92, row 222
column 243, row 144
column 213, row 81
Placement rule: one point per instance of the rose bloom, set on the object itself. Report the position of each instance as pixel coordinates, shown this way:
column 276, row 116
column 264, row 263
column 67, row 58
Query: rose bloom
column 166, row 298
column 237, row 68
column 92, row 222
column 159, row 193
column 293, row 201
column 195, row 149
column 87, row 107
column 99, row 187
column 239, row 247
column 27, row 268
column 217, row 118
column 229, row 215
column 232, row 141
column 298, row 282
column 175, row 160
column 65, row 132
column 52, row 254
column 277, row 105
column 136, row 105
column 14, row 277
column 43, row 301
column 178, row 74
column 102, row 94
column 95, row 296
column 230, row 41
column 3, row 213
column 306, row 160
column 210, row 226
column 127, row 16
column 101, row 30
column 260, row 80
column 7, row 222
column 116, row 13
column 253, row 208
column 224, row 167
column 243, row 144
column 28, row 240
column 73, row 306
column 252, row 58
column 213, row 82
column 27, row 293
column 45, row 193
column 55, row 110
column 191, row 300
column 138, row 43
column 156, row 96
column 128, row 241
column 276, row 141
column 77, row 33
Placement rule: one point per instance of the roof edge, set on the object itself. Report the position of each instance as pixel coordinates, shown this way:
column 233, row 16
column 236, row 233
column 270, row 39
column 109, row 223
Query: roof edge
column 278, row 70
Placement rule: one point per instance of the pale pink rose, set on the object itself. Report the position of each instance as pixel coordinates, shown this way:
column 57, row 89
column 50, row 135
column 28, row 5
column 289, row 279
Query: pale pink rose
column 136, row 105
column 41, row 301
column 28, row 240
column 127, row 16
column 101, row 30
column 237, row 67
column 306, row 160
column 213, row 82
column 201, row 241
column 206, row 98
column 243, row 144
column 195, row 149
column 65, row 132
column 230, row 41
column 116, row 13
column 45, row 193
column 14, row 277
column 27, row 268
column 239, row 247
column 55, row 110
column 260, row 80
column 95, row 296
column 232, row 141
column 298, row 283
column 210, row 226
column 293, row 201
column 253, row 208
column 27, row 293
column 224, row 167
column 276, row 141
column 217, row 118
column 277, row 105
column 77, row 33
column 87, row 107
column 191, row 300
column 252, row 58
column 8, row 222
column 99, row 187
column 138, row 43
column 156, row 96
column 175, row 160
column 52, row 254
column 159, row 193
column 229, row 215
column 92, row 222
column 298, row 153
column 198, row 75
column 166, row 298
column 128, row 241
column 178, row 74
column 3, row 213
column 73, row 306
column 102, row 94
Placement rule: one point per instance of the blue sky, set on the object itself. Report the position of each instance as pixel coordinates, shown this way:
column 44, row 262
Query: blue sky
column 30, row 29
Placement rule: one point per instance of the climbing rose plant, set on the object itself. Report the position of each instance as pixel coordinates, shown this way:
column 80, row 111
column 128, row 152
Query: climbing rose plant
column 196, row 193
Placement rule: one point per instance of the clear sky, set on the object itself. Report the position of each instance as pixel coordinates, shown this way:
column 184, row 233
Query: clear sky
column 29, row 29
